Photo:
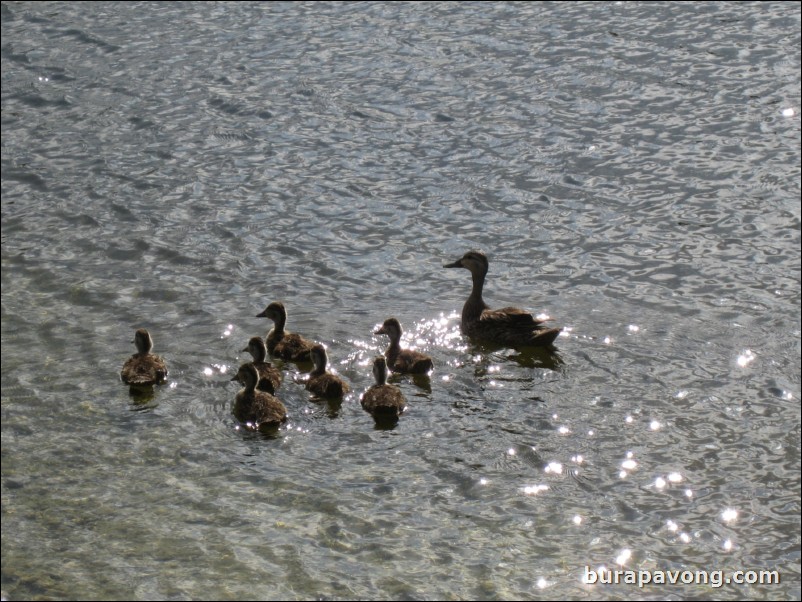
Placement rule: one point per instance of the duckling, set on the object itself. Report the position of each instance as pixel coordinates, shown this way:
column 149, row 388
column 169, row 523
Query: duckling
column 286, row 345
column 269, row 376
column 400, row 360
column 507, row 326
column 383, row 401
column 144, row 368
column 322, row 383
column 253, row 407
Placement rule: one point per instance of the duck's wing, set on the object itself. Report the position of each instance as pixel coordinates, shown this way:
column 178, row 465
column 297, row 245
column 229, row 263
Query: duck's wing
column 295, row 348
column 412, row 362
column 268, row 409
column 511, row 317
column 545, row 337
column 328, row 385
column 383, row 400
column 269, row 377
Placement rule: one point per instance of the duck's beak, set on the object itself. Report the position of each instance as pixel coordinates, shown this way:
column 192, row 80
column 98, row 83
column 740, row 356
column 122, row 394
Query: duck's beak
column 456, row 264
column 235, row 378
column 381, row 331
column 262, row 315
column 246, row 349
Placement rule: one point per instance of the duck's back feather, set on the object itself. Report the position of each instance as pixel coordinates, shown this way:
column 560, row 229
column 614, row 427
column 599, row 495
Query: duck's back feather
column 292, row 347
column 327, row 385
column 259, row 408
column 407, row 361
column 384, row 401
column 511, row 326
column 144, row 369
column 269, row 377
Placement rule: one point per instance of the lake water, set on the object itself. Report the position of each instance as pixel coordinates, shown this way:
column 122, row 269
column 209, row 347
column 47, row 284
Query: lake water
column 631, row 169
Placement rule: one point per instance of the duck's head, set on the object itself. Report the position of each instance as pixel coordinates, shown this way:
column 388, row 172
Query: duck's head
column 319, row 357
column 474, row 261
column 247, row 375
column 256, row 347
column 143, row 341
column 392, row 328
column 380, row 370
column 275, row 311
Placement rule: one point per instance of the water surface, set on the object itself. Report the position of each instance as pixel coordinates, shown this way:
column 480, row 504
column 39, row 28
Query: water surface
column 632, row 171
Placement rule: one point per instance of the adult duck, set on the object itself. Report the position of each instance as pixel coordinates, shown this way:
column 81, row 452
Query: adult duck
column 404, row 361
column 508, row 326
column 283, row 344
column 144, row 368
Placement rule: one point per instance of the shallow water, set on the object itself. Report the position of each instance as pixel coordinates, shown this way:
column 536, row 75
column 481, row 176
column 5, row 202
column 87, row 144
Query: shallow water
column 632, row 170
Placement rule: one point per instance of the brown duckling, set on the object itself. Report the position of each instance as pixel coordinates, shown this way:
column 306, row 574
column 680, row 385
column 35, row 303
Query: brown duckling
column 400, row 360
column 269, row 375
column 286, row 345
column 256, row 408
column 383, row 401
column 507, row 326
column 322, row 383
column 144, row 368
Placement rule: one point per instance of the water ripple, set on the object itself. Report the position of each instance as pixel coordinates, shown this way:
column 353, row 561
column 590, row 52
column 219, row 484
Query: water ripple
column 631, row 170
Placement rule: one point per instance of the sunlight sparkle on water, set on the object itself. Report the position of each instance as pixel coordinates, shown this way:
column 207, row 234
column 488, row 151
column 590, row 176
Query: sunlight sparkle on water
column 745, row 358
column 633, row 328
column 219, row 368
column 623, row 557
column 563, row 430
column 577, row 519
column 534, row 489
column 627, row 465
column 438, row 332
column 788, row 112
column 554, row 467
column 660, row 482
column 607, row 340
column 729, row 515
column 542, row 583
column 675, row 477
column 655, row 425
column 727, row 545
column 228, row 330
